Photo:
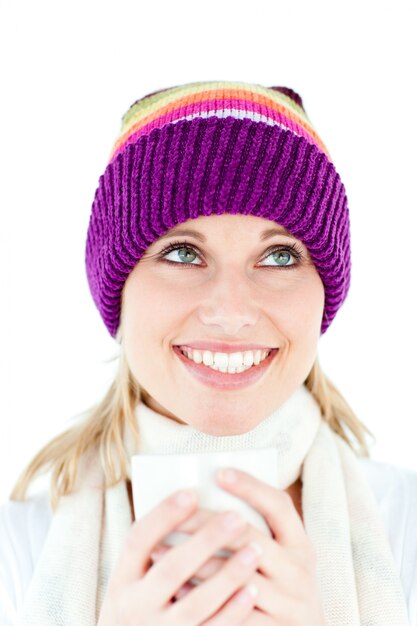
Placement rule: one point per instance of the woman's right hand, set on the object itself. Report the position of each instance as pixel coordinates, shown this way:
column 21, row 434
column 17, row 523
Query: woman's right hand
column 140, row 592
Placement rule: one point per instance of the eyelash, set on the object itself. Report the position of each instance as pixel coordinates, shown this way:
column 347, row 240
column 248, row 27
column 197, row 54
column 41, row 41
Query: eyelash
column 294, row 249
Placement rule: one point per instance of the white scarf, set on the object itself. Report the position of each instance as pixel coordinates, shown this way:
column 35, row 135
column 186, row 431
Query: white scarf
column 358, row 580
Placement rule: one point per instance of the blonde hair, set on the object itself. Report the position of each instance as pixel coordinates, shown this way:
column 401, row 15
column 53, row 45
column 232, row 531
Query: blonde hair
column 103, row 426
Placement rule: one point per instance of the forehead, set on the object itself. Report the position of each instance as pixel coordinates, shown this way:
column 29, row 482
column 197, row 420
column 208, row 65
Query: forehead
column 203, row 227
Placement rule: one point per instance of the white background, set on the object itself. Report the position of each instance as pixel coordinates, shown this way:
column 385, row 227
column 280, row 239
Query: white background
column 68, row 73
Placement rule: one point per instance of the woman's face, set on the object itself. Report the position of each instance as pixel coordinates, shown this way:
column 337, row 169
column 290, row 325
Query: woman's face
column 227, row 283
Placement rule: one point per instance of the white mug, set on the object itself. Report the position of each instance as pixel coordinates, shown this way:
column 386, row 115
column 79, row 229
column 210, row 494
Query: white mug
column 156, row 476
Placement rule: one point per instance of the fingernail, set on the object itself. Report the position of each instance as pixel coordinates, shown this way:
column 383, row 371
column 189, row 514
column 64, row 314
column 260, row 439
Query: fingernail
column 185, row 498
column 232, row 520
column 227, row 476
column 249, row 554
column 247, row 594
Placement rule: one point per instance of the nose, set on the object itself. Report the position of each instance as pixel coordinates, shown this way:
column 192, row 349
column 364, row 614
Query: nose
column 229, row 304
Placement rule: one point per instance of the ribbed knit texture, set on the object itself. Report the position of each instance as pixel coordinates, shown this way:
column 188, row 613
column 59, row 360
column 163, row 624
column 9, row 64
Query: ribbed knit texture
column 357, row 578
column 211, row 148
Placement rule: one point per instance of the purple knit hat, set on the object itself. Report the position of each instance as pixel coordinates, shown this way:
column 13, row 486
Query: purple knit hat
column 212, row 148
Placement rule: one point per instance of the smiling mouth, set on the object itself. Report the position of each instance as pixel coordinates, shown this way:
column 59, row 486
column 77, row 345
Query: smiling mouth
column 226, row 368
column 225, row 380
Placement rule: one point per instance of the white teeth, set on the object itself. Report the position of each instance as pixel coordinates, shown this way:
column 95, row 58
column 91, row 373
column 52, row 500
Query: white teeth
column 232, row 363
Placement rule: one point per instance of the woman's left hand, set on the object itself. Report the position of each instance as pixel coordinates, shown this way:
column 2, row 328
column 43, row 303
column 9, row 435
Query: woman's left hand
column 288, row 591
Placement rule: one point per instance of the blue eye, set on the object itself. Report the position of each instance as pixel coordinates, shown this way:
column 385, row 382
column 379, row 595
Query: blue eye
column 284, row 255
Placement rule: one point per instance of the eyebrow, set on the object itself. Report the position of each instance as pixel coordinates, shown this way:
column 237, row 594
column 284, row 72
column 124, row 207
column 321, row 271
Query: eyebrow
column 266, row 234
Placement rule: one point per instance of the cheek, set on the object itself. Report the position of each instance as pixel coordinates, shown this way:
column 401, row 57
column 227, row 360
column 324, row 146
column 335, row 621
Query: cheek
column 310, row 305
column 302, row 327
column 299, row 308
column 310, row 317
column 151, row 313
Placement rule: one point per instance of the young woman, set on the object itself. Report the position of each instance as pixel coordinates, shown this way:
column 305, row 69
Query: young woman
column 217, row 254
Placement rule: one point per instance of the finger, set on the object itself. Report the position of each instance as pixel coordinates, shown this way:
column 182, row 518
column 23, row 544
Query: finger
column 275, row 558
column 275, row 505
column 192, row 523
column 216, row 591
column 200, row 517
column 145, row 533
column 287, row 590
column 274, row 603
column 304, row 551
column 267, row 598
column 209, row 568
column 182, row 561
column 277, row 607
column 238, row 609
column 281, row 567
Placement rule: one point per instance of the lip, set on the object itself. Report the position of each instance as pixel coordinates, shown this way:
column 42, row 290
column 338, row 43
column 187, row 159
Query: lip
column 225, row 381
column 218, row 346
